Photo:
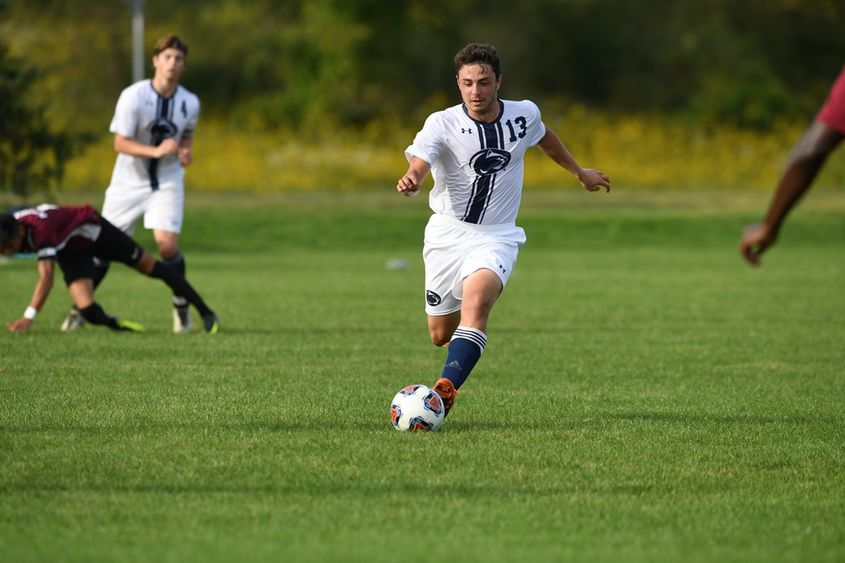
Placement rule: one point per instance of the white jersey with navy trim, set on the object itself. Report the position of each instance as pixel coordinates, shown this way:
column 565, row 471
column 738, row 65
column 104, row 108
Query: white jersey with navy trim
column 143, row 115
column 478, row 167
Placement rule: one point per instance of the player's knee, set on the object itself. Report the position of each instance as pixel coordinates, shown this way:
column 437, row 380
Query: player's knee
column 476, row 309
column 168, row 250
column 439, row 336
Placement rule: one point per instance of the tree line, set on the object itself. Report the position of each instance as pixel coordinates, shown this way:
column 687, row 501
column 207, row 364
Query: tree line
column 293, row 64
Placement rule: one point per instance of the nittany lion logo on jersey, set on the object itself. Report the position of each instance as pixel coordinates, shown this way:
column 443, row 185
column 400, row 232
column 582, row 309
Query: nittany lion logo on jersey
column 162, row 128
column 487, row 162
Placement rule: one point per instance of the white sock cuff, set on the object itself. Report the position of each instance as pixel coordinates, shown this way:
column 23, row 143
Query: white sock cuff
column 471, row 334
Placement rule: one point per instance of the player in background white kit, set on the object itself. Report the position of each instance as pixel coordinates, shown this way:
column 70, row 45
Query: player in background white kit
column 475, row 152
column 153, row 128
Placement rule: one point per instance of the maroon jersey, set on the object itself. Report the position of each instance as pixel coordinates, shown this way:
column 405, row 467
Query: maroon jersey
column 51, row 229
column 833, row 110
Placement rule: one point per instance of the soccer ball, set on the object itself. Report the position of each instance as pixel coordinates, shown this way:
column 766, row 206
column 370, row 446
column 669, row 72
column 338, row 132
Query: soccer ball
column 417, row 408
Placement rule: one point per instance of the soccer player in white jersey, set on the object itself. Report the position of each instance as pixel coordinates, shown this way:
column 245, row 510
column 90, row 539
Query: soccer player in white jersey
column 153, row 128
column 475, row 152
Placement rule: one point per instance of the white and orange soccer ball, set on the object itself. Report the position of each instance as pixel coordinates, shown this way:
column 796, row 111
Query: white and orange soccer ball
column 417, row 408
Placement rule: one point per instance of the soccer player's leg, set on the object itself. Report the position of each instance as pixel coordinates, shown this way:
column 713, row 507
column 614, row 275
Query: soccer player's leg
column 78, row 272
column 440, row 329
column 467, row 343
column 164, row 217
column 168, row 248
column 179, row 285
column 122, row 207
column 443, row 255
column 116, row 245
column 74, row 319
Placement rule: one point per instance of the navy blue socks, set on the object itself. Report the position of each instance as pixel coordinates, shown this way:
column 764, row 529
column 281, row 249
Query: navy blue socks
column 464, row 351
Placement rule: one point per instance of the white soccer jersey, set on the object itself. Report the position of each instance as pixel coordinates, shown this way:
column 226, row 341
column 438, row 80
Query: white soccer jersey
column 145, row 116
column 478, row 167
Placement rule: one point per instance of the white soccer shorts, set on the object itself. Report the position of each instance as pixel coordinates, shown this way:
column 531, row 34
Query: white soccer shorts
column 454, row 249
column 162, row 209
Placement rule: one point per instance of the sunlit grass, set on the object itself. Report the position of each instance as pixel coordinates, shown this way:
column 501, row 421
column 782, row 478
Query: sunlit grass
column 644, row 395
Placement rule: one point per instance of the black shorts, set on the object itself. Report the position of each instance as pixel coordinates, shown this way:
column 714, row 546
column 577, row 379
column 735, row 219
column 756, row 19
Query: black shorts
column 112, row 244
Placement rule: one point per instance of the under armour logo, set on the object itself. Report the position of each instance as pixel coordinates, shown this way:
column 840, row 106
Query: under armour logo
column 502, row 267
column 465, row 130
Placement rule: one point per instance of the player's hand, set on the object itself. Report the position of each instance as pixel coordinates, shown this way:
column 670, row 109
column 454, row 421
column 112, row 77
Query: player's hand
column 167, row 146
column 408, row 185
column 186, row 157
column 593, row 180
column 20, row 325
column 754, row 241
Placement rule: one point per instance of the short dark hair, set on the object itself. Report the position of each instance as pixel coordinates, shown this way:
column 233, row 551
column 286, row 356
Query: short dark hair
column 171, row 41
column 8, row 227
column 479, row 53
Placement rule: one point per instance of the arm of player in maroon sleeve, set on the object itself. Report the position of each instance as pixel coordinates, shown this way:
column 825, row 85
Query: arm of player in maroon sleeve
column 803, row 165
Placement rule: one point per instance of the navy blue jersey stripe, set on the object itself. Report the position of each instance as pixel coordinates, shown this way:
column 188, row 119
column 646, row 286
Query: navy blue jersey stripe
column 478, row 201
column 164, row 109
column 471, row 198
column 491, row 136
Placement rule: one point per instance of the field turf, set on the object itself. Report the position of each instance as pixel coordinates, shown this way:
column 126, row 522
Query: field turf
column 644, row 395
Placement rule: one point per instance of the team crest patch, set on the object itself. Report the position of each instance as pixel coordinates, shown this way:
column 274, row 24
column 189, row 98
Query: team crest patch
column 489, row 161
column 163, row 128
column 432, row 298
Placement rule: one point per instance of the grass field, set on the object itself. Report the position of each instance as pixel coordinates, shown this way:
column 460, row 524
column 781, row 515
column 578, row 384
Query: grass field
column 644, row 395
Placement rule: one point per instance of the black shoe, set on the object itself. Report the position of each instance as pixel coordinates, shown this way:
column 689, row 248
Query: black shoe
column 211, row 323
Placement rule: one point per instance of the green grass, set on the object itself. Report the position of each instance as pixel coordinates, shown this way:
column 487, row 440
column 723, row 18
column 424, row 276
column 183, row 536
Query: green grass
column 644, row 395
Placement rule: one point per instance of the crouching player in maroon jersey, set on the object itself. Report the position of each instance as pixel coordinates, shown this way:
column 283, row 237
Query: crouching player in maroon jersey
column 73, row 236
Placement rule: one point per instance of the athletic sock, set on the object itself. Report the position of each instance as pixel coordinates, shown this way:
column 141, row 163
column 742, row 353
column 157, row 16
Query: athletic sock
column 180, row 286
column 177, row 262
column 95, row 315
column 464, row 351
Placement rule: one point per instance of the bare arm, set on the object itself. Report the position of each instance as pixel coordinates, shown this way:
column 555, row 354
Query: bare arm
column 804, row 163
column 554, row 148
column 409, row 184
column 39, row 296
column 186, row 155
column 130, row 146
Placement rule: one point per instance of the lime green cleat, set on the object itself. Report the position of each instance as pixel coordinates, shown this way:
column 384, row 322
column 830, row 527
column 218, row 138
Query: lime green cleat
column 211, row 324
column 130, row 326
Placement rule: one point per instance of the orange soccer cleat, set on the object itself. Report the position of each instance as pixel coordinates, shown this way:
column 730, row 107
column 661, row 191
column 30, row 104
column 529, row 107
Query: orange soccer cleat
column 446, row 390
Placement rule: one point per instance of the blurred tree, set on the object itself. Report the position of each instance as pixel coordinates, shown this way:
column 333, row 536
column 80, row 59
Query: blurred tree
column 32, row 153
column 311, row 65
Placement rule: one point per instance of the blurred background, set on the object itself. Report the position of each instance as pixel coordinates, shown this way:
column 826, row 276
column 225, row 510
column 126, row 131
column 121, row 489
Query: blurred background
column 326, row 94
